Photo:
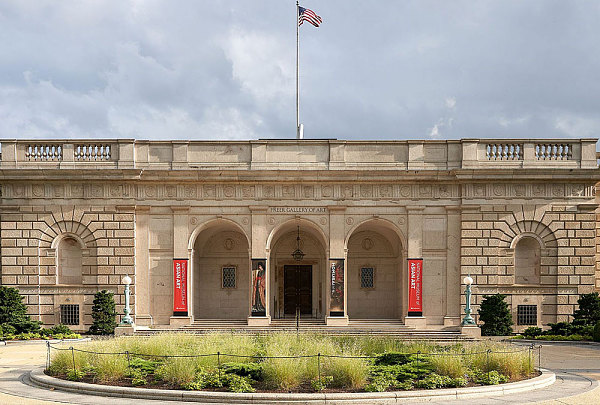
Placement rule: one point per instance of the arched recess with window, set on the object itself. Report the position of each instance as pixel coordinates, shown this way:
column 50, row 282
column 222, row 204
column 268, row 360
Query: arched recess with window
column 68, row 264
column 532, row 251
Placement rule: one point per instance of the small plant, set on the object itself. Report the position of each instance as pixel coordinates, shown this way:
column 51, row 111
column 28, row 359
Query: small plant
column 138, row 377
column 532, row 332
column 560, row 329
column 495, row 315
column 252, row 370
column 103, row 313
column 319, row 384
column 236, row 383
column 75, row 375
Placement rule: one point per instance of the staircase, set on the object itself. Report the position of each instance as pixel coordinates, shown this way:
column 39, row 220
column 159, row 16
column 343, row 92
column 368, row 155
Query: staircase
column 357, row 327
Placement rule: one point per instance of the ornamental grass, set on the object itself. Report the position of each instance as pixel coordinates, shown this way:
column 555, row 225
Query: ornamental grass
column 287, row 362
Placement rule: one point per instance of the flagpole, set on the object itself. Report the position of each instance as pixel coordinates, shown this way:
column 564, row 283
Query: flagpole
column 297, row 71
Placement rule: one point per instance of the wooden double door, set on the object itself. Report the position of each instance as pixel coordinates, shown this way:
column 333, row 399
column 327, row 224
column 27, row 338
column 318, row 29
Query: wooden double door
column 297, row 287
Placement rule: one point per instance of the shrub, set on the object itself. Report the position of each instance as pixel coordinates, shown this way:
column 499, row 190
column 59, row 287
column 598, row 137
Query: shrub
column 496, row 316
column 596, row 333
column 589, row 309
column 532, row 332
column 560, row 329
column 13, row 312
column 103, row 313
column 252, row 370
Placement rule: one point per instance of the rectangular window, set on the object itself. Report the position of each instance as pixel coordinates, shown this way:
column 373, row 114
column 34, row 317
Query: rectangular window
column 367, row 277
column 228, row 277
column 69, row 314
column 527, row 315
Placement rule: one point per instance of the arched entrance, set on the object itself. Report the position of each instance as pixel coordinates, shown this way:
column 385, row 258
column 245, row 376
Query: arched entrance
column 374, row 272
column 294, row 283
column 220, row 269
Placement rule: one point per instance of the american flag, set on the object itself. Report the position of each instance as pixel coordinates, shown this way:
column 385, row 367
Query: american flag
column 309, row 16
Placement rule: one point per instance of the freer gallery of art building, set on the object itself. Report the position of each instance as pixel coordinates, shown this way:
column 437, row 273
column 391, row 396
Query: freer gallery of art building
column 334, row 230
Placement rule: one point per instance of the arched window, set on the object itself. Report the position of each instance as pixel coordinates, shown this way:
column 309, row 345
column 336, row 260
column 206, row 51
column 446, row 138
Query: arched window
column 527, row 261
column 69, row 261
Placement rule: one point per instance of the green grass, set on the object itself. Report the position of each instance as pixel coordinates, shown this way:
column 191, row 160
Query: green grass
column 284, row 361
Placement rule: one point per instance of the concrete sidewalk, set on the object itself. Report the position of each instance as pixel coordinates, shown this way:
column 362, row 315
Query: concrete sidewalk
column 577, row 368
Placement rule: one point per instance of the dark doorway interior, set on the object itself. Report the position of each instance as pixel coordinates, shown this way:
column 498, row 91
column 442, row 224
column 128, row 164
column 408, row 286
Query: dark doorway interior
column 297, row 289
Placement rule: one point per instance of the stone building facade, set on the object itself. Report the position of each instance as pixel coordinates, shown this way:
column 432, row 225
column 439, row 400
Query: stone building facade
column 519, row 216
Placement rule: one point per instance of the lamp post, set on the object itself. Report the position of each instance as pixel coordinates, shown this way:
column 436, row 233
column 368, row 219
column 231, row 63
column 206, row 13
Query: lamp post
column 127, row 320
column 468, row 319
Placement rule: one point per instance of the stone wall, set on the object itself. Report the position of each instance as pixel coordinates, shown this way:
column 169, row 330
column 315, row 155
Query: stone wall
column 30, row 236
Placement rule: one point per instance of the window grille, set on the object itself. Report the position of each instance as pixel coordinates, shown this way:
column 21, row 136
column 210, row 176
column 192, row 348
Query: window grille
column 69, row 314
column 367, row 277
column 228, row 277
column 527, row 315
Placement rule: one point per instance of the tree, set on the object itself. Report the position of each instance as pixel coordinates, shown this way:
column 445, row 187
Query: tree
column 103, row 313
column 13, row 312
column 589, row 309
column 496, row 316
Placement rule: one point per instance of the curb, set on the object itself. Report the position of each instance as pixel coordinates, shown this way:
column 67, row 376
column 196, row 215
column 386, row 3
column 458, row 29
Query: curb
column 560, row 342
column 38, row 377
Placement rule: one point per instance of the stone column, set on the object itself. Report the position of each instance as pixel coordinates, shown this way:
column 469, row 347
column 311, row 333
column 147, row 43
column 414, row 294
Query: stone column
column 259, row 251
column 142, row 267
column 453, row 282
column 337, row 250
column 415, row 251
column 180, row 251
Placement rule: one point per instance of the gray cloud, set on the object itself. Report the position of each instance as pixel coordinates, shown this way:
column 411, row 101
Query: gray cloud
column 226, row 69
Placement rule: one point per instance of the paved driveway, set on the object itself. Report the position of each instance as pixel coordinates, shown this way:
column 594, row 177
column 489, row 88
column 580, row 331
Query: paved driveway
column 577, row 367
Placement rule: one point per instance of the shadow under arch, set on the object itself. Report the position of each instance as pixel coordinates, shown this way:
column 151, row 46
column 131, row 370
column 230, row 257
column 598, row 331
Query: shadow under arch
column 375, row 270
column 305, row 225
column 378, row 223
column 297, row 284
column 214, row 223
column 219, row 270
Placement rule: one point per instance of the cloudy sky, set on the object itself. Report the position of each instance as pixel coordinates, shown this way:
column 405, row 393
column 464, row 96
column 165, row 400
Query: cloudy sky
column 225, row 69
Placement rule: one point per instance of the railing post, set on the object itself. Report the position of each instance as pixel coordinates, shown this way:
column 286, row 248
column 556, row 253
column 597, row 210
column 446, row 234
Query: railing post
column 319, row 365
column 219, row 363
column 73, row 356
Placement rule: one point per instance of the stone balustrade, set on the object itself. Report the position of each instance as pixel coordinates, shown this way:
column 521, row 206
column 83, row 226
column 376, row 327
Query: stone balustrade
column 300, row 155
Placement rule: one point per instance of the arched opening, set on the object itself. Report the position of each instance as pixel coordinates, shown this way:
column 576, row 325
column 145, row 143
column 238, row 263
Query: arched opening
column 221, row 269
column 298, row 284
column 374, row 276
column 527, row 261
column 69, row 261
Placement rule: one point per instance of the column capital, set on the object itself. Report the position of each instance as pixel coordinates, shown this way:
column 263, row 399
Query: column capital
column 453, row 209
column 415, row 208
column 180, row 209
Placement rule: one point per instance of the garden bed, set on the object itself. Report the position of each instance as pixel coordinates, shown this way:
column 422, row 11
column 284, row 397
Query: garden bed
column 288, row 363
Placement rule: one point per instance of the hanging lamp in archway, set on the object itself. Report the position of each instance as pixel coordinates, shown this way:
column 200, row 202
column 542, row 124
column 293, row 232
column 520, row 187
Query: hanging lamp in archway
column 298, row 254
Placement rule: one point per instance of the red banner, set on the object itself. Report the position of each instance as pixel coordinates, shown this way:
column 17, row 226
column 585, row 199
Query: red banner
column 180, row 285
column 415, row 285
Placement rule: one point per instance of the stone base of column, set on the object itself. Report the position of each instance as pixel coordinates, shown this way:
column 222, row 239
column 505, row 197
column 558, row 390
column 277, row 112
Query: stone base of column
column 337, row 321
column 178, row 321
column 452, row 321
column 143, row 320
column 259, row 320
column 124, row 330
column 419, row 322
column 471, row 330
